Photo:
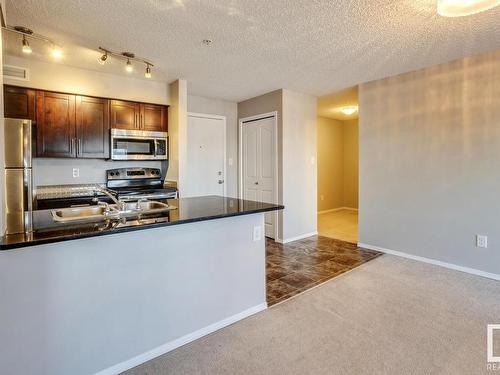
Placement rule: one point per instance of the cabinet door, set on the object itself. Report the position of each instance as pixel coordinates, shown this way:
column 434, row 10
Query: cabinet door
column 124, row 115
column 92, row 127
column 55, row 117
column 153, row 117
column 19, row 102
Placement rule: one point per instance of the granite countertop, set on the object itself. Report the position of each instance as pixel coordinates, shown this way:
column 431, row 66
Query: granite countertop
column 189, row 210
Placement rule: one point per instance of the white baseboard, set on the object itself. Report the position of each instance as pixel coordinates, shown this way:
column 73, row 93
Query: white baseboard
column 337, row 209
column 169, row 346
column 455, row 267
column 302, row 236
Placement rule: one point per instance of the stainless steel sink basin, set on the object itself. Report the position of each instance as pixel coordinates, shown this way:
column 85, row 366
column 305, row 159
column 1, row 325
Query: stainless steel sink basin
column 87, row 213
column 143, row 208
column 112, row 211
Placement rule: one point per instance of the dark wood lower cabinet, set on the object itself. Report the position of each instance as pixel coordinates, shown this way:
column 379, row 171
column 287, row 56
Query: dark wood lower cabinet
column 55, row 124
column 92, row 127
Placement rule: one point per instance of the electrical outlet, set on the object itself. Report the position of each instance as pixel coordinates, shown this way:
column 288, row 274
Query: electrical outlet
column 76, row 172
column 230, row 161
column 257, row 233
column 322, row 197
column 481, row 241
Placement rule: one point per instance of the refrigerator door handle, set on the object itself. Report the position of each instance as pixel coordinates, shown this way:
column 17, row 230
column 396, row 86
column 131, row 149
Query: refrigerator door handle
column 28, row 200
column 27, row 144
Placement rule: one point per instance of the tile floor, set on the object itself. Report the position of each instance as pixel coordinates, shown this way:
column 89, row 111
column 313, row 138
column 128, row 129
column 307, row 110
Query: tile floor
column 300, row 265
column 342, row 225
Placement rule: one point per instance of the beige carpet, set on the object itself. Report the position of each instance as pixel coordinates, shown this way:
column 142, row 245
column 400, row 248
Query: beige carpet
column 388, row 316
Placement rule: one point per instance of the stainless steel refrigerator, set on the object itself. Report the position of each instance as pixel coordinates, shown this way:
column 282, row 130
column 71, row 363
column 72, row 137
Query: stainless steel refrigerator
column 18, row 177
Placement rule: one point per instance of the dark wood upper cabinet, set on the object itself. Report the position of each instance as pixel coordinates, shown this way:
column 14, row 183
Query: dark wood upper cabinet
column 125, row 115
column 77, row 126
column 154, row 117
column 55, row 123
column 92, row 127
column 19, row 102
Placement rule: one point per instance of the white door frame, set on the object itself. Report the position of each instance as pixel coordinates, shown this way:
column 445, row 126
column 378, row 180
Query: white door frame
column 240, row 159
column 215, row 117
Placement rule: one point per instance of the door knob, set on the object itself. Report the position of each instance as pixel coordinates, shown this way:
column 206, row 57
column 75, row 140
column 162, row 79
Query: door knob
column 256, row 182
column 221, row 181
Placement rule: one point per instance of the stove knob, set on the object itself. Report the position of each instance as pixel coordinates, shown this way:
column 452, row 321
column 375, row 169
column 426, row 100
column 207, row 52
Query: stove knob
column 112, row 174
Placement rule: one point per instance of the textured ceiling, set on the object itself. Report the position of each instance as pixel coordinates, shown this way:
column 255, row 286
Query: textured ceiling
column 313, row 46
column 329, row 105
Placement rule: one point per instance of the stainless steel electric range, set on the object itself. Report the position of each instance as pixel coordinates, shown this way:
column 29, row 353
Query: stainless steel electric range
column 138, row 183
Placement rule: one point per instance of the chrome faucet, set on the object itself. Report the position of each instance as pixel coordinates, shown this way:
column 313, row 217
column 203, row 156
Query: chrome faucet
column 119, row 203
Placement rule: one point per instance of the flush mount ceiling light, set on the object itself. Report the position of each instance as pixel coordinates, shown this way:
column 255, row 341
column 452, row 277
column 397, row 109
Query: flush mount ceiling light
column 128, row 57
column 460, row 8
column 29, row 34
column 349, row 110
column 207, row 42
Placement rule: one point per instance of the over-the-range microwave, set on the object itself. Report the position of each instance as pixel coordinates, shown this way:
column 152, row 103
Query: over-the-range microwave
column 138, row 145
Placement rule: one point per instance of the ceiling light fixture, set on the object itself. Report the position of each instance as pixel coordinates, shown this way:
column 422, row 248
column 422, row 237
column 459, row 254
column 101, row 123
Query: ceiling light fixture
column 29, row 34
column 349, row 110
column 26, row 45
column 460, row 8
column 128, row 66
column 129, row 57
column 207, row 42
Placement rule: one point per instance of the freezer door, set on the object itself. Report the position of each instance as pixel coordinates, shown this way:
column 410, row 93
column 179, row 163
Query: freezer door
column 19, row 200
column 18, row 143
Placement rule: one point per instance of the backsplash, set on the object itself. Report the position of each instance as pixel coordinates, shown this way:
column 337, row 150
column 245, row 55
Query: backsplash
column 48, row 171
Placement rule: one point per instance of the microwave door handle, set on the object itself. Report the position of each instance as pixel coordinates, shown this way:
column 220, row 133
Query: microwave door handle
column 155, row 147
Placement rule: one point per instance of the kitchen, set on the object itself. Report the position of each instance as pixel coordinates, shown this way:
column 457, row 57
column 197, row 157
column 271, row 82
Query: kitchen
column 99, row 226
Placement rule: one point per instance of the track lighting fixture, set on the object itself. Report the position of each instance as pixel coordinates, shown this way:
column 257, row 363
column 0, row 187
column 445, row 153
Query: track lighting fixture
column 26, row 45
column 129, row 57
column 27, row 33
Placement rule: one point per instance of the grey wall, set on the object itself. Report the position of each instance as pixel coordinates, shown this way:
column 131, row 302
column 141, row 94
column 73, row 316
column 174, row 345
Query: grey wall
column 82, row 306
column 430, row 162
column 199, row 104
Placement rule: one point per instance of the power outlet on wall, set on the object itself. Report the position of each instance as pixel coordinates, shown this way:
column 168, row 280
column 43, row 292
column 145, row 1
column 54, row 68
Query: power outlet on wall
column 322, row 197
column 257, row 233
column 76, row 172
column 481, row 241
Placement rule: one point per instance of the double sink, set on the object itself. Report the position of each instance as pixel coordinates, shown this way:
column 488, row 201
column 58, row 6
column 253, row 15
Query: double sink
column 105, row 211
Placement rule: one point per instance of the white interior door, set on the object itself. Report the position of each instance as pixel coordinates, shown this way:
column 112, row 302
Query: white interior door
column 206, row 156
column 259, row 165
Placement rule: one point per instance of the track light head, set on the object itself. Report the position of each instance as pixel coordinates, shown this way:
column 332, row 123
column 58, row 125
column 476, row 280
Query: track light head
column 102, row 59
column 128, row 67
column 26, row 45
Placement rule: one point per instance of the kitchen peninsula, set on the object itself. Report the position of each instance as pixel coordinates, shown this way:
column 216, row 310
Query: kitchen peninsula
column 104, row 297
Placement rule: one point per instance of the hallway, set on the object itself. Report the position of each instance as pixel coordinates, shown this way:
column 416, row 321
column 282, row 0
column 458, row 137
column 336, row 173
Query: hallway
column 341, row 225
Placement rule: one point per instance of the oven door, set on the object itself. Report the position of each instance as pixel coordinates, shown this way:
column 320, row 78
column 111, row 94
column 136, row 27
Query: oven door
column 132, row 148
